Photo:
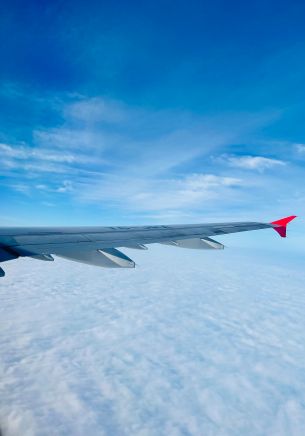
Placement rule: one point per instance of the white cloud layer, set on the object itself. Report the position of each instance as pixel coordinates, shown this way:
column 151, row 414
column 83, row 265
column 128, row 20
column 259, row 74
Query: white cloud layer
column 189, row 343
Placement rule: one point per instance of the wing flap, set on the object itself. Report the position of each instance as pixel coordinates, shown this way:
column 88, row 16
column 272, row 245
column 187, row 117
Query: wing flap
column 196, row 244
column 107, row 258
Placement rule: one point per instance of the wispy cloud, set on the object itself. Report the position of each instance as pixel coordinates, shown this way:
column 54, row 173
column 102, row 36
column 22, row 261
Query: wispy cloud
column 300, row 148
column 65, row 187
column 258, row 163
column 161, row 194
column 18, row 152
column 100, row 111
column 131, row 159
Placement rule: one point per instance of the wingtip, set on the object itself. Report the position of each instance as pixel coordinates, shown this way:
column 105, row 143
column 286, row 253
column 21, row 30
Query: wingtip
column 280, row 226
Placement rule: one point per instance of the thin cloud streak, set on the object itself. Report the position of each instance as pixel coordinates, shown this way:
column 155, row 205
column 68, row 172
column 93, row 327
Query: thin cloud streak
column 256, row 163
column 163, row 194
column 107, row 153
column 300, row 148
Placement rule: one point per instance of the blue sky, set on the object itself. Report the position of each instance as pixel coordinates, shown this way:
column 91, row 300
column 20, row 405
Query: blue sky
column 151, row 112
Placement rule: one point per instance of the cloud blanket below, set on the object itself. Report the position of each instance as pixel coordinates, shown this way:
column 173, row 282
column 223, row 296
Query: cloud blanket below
column 189, row 343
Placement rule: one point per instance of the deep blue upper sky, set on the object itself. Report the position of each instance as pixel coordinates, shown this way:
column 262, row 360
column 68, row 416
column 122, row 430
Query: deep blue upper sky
column 151, row 111
column 194, row 55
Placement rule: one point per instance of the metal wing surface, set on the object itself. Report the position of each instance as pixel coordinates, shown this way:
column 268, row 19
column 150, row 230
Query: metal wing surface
column 98, row 245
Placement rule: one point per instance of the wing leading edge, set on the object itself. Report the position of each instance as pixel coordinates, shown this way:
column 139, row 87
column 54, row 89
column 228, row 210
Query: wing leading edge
column 98, row 245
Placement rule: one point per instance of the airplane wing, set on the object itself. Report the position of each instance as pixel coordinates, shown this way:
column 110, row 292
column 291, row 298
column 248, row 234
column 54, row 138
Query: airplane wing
column 99, row 245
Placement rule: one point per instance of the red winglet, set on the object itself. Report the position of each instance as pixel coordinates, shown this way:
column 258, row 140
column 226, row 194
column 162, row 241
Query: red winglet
column 280, row 226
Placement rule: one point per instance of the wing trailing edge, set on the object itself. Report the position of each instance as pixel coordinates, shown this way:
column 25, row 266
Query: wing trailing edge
column 107, row 257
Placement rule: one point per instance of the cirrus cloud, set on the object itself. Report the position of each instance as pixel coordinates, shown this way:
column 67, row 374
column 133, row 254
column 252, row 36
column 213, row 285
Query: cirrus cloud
column 258, row 163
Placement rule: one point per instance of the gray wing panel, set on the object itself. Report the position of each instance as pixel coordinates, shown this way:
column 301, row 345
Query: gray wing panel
column 25, row 241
